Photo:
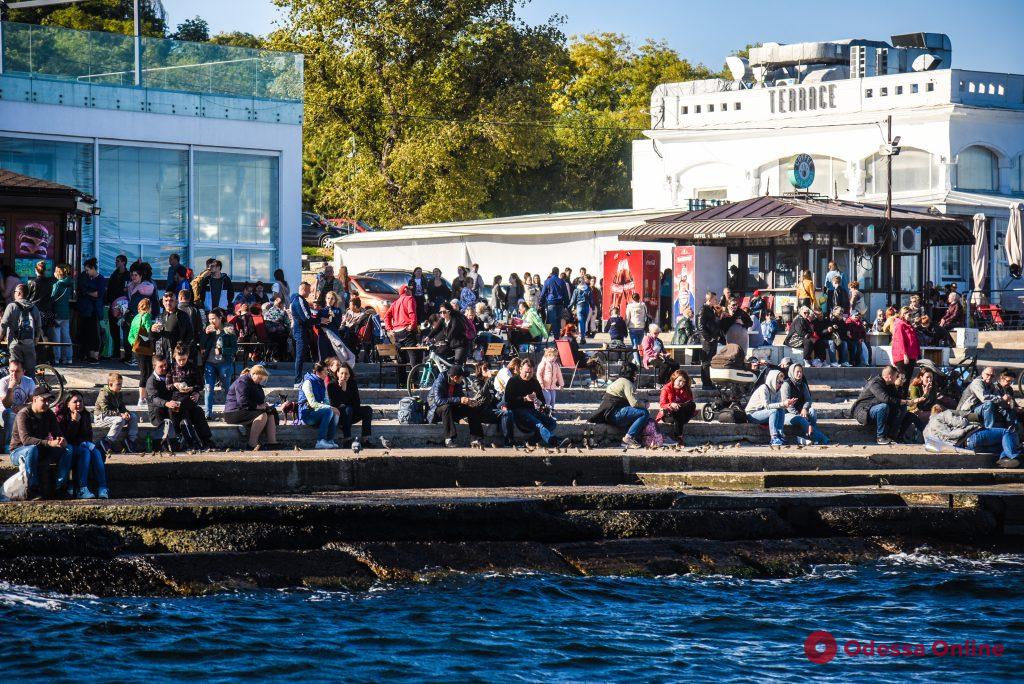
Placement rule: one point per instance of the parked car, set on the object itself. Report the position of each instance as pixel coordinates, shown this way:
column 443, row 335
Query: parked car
column 396, row 277
column 316, row 231
column 372, row 292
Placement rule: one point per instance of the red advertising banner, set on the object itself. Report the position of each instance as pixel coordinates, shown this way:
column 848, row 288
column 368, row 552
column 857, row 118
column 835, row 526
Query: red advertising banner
column 684, row 265
column 627, row 272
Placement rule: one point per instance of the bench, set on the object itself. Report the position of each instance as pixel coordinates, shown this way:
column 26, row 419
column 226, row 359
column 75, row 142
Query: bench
column 882, row 355
column 685, row 354
column 388, row 356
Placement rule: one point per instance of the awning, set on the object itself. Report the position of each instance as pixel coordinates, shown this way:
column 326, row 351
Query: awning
column 706, row 230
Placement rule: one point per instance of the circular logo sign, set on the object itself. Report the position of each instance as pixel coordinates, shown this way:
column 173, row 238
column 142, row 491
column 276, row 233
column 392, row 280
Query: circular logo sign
column 801, row 175
column 820, row 647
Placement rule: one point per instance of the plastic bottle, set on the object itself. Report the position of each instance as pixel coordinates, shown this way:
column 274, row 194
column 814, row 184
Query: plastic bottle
column 149, row 444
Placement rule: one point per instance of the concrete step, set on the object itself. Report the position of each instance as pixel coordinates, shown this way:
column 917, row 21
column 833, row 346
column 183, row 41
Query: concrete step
column 930, row 477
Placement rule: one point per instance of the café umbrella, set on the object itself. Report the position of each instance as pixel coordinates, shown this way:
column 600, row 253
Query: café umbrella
column 1014, row 243
column 979, row 257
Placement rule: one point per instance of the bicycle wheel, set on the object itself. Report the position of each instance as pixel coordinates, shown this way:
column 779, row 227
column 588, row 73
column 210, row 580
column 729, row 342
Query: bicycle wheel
column 420, row 377
column 1020, row 383
column 50, row 379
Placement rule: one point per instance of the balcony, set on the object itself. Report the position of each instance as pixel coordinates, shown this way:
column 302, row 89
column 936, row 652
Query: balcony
column 55, row 65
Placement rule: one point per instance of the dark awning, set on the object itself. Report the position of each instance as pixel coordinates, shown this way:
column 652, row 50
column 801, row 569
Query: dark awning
column 17, row 190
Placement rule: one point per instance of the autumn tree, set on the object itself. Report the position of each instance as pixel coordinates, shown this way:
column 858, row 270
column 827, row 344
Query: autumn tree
column 113, row 16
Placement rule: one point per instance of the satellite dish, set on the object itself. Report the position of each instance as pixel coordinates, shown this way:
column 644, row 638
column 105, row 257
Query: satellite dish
column 926, row 62
column 739, row 67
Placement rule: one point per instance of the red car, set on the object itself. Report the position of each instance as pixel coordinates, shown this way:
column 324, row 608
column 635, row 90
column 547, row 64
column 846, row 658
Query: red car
column 372, row 292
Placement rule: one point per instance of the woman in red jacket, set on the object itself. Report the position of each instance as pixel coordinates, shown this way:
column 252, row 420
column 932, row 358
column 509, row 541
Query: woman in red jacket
column 677, row 404
column 906, row 350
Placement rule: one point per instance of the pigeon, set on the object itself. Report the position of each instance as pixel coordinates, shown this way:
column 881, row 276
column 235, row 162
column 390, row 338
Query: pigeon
column 385, row 444
column 574, row 483
column 356, row 447
column 538, row 483
column 457, row 484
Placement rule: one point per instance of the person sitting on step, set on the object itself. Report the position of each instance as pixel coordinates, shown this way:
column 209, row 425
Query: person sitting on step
column 985, row 398
column 246, row 406
column 112, row 413
column 956, row 429
column 343, row 394
column 449, row 404
column 881, row 402
column 802, row 414
column 766, row 407
column 315, row 409
column 524, row 398
column 621, row 407
column 170, row 406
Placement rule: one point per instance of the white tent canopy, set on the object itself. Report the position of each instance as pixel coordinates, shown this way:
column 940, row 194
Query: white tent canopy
column 979, row 258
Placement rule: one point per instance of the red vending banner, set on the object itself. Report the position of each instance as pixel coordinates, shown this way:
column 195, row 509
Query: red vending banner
column 627, row 272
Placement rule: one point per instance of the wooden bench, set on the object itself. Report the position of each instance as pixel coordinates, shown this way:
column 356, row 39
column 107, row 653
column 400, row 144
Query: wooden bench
column 495, row 351
column 388, row 355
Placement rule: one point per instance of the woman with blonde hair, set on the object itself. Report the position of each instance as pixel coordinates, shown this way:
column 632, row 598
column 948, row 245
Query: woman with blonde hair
column 805, row 293
column 141, row 332
column 246, row 406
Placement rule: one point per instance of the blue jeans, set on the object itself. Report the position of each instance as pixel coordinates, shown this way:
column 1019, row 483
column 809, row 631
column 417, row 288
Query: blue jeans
column 632, row 418
column 993, row 415
column 582, row 314
column 775, row 419
column 888, row 421
column 325, row 420
column 212, row 372
column 554, row 317
column 87, row 458
column 29, row 455
column 840, row 351
column 993, row 438
column 62, row 333
column 300, row 350
column 536, row 421
column 802, row 425
column 8, row 417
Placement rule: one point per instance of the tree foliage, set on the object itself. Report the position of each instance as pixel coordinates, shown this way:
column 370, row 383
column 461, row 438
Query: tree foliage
column 113, row 16
column 194, row 29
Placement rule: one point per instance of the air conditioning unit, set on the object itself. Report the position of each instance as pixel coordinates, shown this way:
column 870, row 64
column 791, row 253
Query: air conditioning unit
column 862, row 235
column 908, row 240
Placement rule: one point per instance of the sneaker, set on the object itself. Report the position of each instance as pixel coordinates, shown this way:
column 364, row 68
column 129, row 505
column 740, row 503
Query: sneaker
column 105, row 446
column 103, row 493
column 668, row 441
column 883, row 441
column 143, row 403
column 630, row 443
column 297, row 385
column 84, row 493
column 1008, row 463
column 834, row 365
column 324, row 444
column 803, row 441
column 449, row 443
column 845, row 365
column 778, row 442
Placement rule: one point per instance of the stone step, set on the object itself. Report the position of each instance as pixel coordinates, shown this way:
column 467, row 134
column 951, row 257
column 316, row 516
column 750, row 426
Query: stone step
column 916, row 477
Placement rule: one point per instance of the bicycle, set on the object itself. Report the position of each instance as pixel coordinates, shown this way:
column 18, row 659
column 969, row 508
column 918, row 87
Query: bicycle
column 423, row 375
column 46, row 376
column 962, row 373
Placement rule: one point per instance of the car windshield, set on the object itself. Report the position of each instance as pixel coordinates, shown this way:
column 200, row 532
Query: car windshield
column 375, row 286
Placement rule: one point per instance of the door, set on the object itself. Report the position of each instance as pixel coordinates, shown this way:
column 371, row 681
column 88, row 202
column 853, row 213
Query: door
column 843, row 256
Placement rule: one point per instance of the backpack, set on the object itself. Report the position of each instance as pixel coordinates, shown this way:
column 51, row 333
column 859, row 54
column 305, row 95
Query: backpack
column 26, row 326
column 731, row 414
column 412, row 411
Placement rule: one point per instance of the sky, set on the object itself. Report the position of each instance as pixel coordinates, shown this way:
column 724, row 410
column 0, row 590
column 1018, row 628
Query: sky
column 985, row 33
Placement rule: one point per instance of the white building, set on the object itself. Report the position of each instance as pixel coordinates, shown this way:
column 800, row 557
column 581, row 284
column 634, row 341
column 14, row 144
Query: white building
column 197, row 149
column 962, row 139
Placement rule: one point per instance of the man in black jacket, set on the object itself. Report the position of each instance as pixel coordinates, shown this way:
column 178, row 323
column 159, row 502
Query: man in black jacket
column 169, row 405
column 173, row 326
column 880, row 401
column 709, row 327
column 117, row 287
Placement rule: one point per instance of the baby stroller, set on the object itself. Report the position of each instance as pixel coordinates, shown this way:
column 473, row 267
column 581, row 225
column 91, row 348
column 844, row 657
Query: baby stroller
column 733, row 380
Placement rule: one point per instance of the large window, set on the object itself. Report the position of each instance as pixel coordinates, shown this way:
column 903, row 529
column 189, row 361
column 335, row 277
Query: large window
column 144, row 195
column 236, row 213
column 912, row 170
column 830, row 176
column 977, row 168
column 950, row 263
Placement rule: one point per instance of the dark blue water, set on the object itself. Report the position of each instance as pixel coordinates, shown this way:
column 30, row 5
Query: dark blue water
column 536, row 628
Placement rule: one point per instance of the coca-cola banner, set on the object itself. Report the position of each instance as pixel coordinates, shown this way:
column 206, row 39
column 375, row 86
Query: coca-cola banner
column 695, row 270
column 627, row 272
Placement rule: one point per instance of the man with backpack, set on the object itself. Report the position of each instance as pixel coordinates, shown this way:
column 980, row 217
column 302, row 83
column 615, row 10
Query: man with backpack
column 20, row 326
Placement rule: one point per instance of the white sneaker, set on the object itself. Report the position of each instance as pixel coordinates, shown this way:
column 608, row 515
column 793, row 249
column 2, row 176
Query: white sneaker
column 834, row 365
column 324, row 444
column 297, row 385
column 143, row 403
column 845, row 365
column 630, row 443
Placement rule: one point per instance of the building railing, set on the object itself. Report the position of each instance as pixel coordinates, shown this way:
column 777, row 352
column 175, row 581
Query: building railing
column 99, row 58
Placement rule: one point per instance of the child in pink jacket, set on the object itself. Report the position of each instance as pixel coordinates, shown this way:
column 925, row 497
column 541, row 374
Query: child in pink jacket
column 549, row 374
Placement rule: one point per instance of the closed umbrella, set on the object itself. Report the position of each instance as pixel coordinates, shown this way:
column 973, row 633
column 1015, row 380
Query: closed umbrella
column 979, row 258
column 1014, row 241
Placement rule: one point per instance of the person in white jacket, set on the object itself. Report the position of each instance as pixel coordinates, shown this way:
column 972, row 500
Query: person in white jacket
column 766, row 407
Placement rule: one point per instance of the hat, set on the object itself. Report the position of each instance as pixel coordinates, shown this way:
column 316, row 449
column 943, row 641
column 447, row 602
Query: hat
column 458, row 371
column 42, row 391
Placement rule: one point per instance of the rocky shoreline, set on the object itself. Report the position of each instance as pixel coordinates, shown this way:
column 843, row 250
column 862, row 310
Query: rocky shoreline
column 355, row 539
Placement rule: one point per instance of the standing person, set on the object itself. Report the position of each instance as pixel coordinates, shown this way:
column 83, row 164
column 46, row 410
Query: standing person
column 677, row 404
column 549, row 374
column 173, row 327
column 837, row 295
column 315, row 409
column 401, row 323
column 665, row 300
column 580, row 304
column 524, row 398
column 476, row 281
column 173, row 262
column 553, row 296
column 37, row 441
column 142, row 342
column 806, row 295
column 246, row 405
column 419, row 292
column 301, row 315
column 343, row 394
column 20, row 327
column 195, row 318
column 15, row 390
column 63, row 289
column 328, row 320
column 636, row 321
column 91, row 287
column 710, row 334
column 39, row 291
column 117, row 287
column 112, row 412
column 76, row 426
column 594, row 323
column 906, row 350
column 10, row 281
column 216, row 291
column 219, row 346
column 346, row 286
column 735, row 323
column 280, row 286
column 498, row 301
column 437, row 292
column 857, row 300
column 516, row 291
column 326, row 282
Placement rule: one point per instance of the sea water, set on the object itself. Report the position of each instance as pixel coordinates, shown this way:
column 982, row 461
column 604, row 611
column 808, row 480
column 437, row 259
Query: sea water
column 541, row 628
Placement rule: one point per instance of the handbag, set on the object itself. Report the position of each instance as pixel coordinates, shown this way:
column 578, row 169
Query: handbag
column 16, row 486
column 143, row 347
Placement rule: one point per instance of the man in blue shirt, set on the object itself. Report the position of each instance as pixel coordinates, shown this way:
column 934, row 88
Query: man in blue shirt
column 300, row 315
column 553, row 296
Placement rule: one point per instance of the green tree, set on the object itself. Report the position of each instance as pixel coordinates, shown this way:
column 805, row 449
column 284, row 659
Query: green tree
column 195, row 29
column 114, row 16
column 239, row 39
column 406, row 103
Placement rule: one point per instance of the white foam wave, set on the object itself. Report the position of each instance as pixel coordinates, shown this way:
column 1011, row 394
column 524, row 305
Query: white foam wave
column 18, row 595
column 925, row 557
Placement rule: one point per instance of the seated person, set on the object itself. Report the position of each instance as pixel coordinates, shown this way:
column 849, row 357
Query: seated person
column 343, row 394
column 244, row 325
column 653, row 354
column 954, row 428
column 76, row 424
column 246, row 405
column 37, row 441
column 803, row 336
column 880, row 402
column 926, row 395
column 277, row 325
column 15, row 392
column 112, row 413
column 621, row 407
column 502, row 376
column 837, row 336
column 769, row 329
column 986, row 398
column 801, row 414
column 315, row 409
column 677, row 404
column 528, row 329
column 1006, row 380
column 171, row 405
column 524, row 398
column 615, row 326
column 766, row 407
column 857, row 340
column 482, row 391
column 449, row 404
column 595, row 363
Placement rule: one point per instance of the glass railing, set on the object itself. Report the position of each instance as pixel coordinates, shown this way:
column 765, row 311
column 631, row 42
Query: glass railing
column 98, row 58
